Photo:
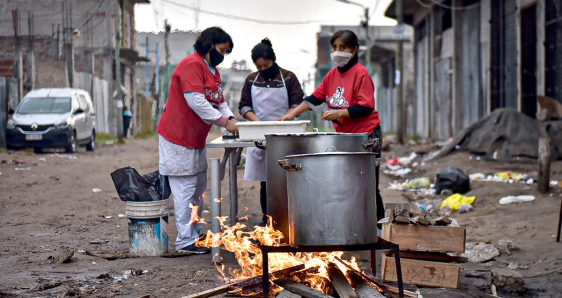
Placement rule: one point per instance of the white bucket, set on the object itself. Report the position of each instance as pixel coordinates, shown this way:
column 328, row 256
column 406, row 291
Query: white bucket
column 148, row 227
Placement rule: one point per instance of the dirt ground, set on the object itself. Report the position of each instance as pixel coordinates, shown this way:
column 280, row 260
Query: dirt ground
column 50, row 205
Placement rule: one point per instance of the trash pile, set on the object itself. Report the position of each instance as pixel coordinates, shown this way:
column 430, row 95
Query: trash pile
column 398, row 166
column 506, row 134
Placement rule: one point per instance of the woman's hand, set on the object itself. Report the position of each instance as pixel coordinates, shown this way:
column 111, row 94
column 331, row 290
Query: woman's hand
column 287, row 117
column 231, row 126
column 335, row 114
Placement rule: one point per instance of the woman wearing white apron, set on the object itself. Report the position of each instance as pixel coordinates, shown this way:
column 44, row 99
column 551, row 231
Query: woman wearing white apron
column 267, row 95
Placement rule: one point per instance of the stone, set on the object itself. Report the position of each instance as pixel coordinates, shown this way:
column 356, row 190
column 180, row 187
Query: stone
column 507, row 280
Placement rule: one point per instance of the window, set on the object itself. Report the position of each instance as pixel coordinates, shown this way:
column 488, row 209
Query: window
column 45, row 105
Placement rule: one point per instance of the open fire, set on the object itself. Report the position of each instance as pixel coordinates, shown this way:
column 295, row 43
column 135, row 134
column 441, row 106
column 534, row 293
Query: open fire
column 244, row 244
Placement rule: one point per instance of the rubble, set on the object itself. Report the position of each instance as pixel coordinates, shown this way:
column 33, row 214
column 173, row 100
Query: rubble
column 507, row 280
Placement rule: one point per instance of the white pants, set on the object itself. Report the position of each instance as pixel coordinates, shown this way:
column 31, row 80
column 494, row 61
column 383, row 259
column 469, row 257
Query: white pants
column 188, row 190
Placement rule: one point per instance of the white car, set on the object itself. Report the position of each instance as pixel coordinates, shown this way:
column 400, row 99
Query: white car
column 53, row 118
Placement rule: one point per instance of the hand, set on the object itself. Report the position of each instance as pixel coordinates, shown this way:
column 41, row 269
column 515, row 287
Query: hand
column 286, row 117
column 231, row 126
column 332, row 115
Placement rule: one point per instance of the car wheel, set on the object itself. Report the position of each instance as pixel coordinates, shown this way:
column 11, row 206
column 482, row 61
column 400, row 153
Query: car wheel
column 91, row 146
column 38, row 150
column 72, row 145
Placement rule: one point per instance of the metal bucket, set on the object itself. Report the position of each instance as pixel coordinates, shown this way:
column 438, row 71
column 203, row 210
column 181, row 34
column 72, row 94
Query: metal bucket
column 331, row 198
column 148, row 227
column 280, row 145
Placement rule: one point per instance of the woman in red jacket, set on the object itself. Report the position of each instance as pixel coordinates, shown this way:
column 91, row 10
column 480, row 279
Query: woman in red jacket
column 195, row 102
column 349, row 92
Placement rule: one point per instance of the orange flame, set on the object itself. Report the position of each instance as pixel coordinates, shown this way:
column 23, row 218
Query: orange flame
column 194, row 214
column 242, row 243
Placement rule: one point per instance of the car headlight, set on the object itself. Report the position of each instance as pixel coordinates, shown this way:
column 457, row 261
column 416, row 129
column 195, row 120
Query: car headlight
column 63, row 124
column 11, row 124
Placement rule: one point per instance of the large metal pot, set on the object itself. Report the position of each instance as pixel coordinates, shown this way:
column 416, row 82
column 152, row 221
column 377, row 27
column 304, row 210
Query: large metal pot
column 332, row 198
column 281, row 145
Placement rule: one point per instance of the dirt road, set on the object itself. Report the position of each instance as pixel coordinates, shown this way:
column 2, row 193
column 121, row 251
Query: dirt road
column 52, row 202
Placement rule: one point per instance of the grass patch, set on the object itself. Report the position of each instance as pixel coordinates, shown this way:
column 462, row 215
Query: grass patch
column 103, row 139
column 146, row 135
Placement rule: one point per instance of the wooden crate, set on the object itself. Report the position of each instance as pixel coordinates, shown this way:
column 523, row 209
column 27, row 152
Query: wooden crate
column 425, row 238
column 422, row 273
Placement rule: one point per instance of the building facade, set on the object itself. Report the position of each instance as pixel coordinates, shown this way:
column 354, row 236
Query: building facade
column 474, row 56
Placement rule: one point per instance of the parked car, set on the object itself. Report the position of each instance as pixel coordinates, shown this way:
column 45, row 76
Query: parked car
column 53, row 118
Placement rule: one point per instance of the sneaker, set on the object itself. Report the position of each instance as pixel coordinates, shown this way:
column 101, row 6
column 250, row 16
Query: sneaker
column 194, row 249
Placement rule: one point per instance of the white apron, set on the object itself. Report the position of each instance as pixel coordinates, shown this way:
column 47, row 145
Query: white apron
column 268, row 104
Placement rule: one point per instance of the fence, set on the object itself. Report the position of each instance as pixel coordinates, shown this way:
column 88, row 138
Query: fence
column 9, row 100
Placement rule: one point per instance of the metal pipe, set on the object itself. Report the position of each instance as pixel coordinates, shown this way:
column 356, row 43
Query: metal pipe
column 215, row 206
column 233, row 184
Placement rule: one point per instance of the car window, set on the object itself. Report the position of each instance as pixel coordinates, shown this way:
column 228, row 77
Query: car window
column 45, row 105
column 83, row 103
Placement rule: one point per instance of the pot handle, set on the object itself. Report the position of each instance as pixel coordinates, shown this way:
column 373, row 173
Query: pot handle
column 371, row 143
column 289, row 167
column 260, row 144
column 332, row 147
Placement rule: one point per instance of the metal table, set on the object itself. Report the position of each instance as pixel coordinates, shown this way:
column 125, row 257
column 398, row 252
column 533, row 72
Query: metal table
column 232, row 150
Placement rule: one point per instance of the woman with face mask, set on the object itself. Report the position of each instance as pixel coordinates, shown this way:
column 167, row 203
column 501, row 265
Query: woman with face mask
column 349, row 92
column 268, row 94
column 195, row 102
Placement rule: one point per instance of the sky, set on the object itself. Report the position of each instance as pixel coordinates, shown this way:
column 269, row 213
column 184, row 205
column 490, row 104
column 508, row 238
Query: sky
column 294, row 44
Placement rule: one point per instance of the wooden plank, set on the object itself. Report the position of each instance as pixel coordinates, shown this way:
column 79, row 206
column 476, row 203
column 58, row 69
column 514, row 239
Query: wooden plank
column 300, row 289
column 340, row 282
column 427, row 256
column 425, row 238
column 288, row 294
column 242, row 283
column 209, row 293
column 386, row 288
column 422, row 273
column 363, row 288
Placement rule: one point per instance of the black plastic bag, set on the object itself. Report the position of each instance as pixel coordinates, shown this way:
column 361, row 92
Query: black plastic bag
column 452, row 179
column 131, row 186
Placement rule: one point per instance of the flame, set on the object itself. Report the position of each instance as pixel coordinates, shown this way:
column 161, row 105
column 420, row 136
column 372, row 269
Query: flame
column 244, row 244
column 218, row 200
column 194, row 214
column 244, row 218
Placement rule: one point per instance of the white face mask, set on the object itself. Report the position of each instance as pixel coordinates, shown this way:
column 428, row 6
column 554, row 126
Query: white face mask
column 341, row 58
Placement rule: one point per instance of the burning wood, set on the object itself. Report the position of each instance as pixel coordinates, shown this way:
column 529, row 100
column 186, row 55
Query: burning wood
column 340, row 282
column 362, row 288
column 300, row 289
column 244, row 244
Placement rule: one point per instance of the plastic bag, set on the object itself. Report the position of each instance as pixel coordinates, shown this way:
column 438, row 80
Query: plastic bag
column 456, row 201
column 452, row 179
column 131, row 186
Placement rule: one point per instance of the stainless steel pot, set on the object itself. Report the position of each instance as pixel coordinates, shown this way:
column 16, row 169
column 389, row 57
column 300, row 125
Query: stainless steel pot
column 280, row 145
column 332, row 198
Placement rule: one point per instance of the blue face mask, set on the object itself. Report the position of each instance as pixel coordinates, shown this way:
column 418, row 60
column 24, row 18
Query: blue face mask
column 215, row 57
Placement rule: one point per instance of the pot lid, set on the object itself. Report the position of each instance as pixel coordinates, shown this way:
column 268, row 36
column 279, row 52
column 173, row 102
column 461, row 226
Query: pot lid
column 312, row 134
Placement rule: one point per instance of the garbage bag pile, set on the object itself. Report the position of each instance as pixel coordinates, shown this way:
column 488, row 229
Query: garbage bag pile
column 131, row 186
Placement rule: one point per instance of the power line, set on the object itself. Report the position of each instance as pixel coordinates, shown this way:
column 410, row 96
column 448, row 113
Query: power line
column 455, row 7
column 229, row 16
column 93, row 13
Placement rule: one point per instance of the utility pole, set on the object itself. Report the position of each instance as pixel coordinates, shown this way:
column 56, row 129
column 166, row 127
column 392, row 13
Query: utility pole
column 399, row 74
column 368, row 42
column 147, row 65
column 118, row 83
column 167, row 29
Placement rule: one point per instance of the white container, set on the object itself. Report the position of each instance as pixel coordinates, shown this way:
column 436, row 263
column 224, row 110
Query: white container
column 256, row 130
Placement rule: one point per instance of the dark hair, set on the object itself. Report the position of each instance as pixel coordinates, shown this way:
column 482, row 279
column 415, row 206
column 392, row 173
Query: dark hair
column 347, row 36
column 263, row 50
column 210, row 37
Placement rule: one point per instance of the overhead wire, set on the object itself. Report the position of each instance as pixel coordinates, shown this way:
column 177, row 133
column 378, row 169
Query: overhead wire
column 375, row 9
column 234, row 17
column 436, row 2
